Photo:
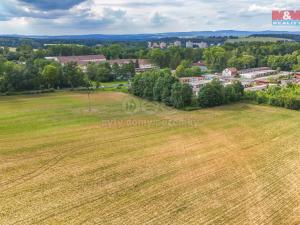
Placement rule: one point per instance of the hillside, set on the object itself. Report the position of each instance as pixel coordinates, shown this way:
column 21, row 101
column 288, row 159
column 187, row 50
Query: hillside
column 128, row 161
column 153, row 36
column 212, row 37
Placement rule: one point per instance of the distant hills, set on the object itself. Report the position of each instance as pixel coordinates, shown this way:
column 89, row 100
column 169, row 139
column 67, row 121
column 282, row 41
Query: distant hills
column 154, row 36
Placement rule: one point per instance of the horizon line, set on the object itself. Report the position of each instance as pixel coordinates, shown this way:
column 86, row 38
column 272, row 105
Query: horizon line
column 146, row 33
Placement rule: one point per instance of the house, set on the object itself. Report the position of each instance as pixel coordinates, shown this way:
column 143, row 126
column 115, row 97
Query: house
column 202, row 65
column 162, row 45
column 196, row 83
column 190, row 80
column 189, row 44
column 201, row 44
column 230, row 72
column 297, row 75
column 177, row 43
column 144, row 65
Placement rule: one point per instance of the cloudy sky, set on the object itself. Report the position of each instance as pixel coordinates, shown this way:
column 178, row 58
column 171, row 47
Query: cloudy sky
column 53, row 17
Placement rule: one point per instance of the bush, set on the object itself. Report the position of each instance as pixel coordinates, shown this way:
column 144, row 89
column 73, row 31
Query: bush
column 287, row 97
column 181, row 95
column 250, row 95
column 212, row 94
column 292, row 103
column 276, row 101
column 261, row 98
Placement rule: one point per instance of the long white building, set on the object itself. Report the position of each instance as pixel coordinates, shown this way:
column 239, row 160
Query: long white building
column 256, row 72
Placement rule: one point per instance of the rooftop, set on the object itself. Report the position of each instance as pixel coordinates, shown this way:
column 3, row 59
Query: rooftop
column 81, row 60
column 141, row 62
column 255, row 73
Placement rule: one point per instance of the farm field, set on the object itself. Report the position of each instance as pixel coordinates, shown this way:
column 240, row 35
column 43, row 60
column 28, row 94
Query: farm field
column 128, row 161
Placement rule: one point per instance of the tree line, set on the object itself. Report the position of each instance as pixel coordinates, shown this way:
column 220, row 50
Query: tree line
column 281, row 56
column 113, row 51
column 37, row 74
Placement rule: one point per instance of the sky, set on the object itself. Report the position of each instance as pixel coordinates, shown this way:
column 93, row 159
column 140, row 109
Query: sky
column 66, row 17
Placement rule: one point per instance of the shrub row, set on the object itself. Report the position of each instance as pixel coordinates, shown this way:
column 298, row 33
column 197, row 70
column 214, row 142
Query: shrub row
column 287, row 97
column 9, row 93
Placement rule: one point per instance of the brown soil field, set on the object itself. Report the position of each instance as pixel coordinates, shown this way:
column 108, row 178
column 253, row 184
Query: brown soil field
column 128, row 161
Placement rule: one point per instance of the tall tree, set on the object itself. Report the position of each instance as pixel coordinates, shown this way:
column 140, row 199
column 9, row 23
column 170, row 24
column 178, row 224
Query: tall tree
column 50, row 76
column 211, row 94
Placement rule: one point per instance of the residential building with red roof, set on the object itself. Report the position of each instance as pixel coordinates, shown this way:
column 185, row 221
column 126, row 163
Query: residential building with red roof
column 230, row 72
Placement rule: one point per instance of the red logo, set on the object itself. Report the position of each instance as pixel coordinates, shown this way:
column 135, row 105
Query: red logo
column 285, row 15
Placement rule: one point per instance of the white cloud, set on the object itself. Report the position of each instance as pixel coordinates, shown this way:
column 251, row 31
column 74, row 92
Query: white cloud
column 136, row 16
column 259, row 9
